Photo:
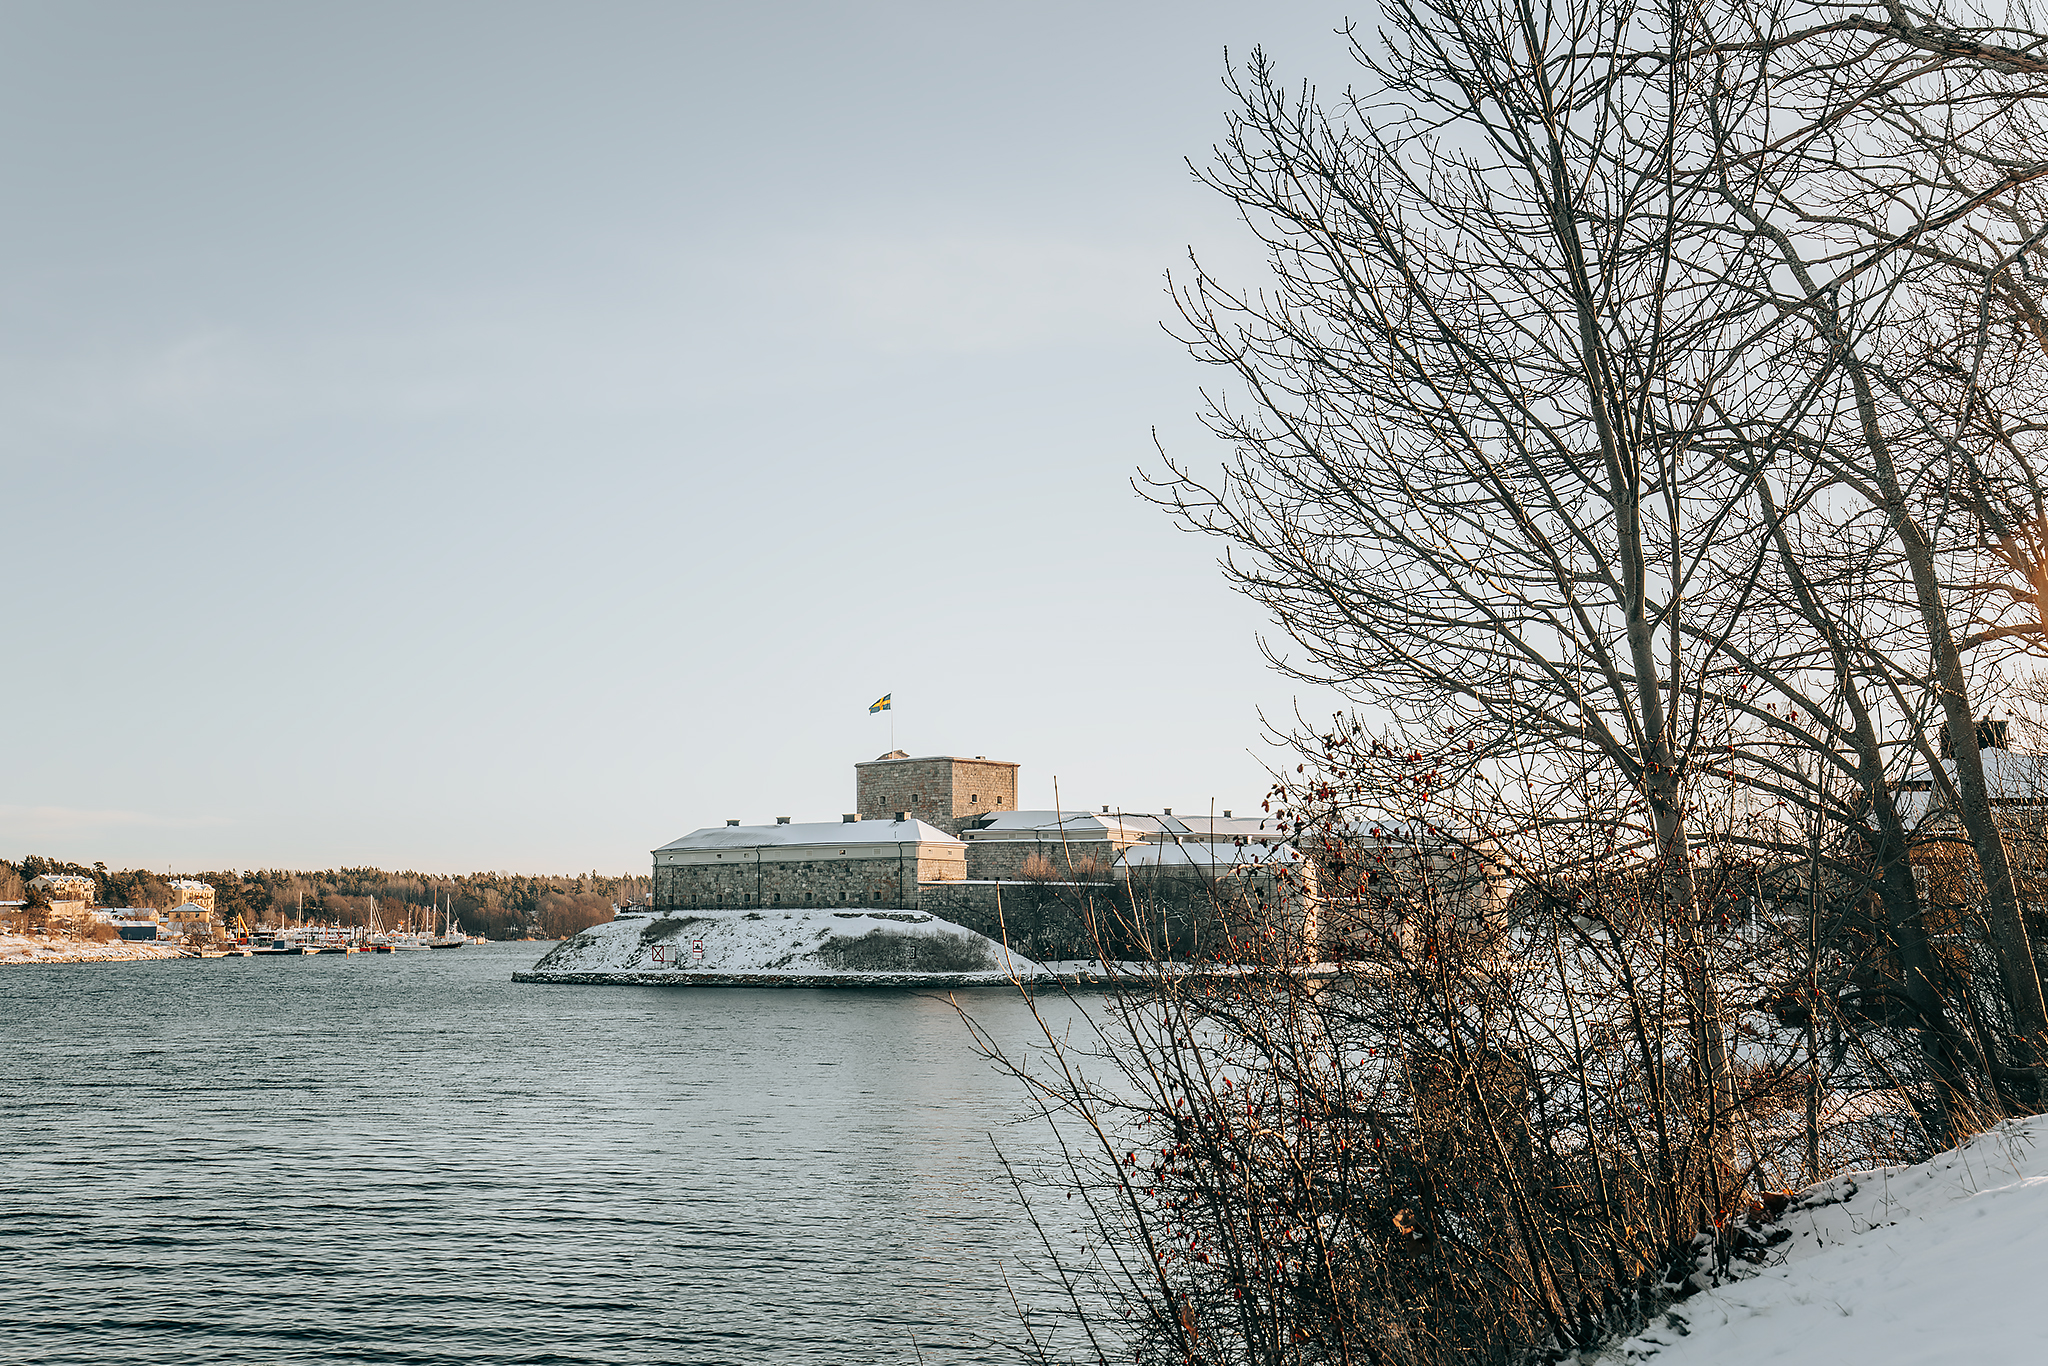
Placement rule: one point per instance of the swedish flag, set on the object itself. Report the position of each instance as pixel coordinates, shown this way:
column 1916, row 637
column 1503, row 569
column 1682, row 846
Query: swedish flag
column 882, row 705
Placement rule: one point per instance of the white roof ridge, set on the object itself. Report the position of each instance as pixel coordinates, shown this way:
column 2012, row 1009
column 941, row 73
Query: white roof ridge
column 911, row 831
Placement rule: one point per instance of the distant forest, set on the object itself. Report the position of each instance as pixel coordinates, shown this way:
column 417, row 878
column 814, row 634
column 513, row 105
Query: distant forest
column 495, row 905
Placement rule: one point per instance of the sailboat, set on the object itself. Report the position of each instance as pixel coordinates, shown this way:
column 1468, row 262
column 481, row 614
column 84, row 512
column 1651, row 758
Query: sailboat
column 448, row 938
column 409, row 940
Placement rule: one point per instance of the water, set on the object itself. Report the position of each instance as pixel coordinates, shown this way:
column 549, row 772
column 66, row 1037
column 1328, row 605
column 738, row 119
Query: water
column 407, row 1158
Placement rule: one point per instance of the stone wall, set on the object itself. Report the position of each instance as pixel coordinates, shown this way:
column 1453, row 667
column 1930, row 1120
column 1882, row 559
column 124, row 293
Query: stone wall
column 1375, row 887
column 1049, row 921
column 1005, row 858
column 943, row 791
column 802, row 876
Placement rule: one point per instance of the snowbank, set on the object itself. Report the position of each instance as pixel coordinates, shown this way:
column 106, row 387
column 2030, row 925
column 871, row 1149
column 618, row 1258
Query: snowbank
column 781, row 948
column 1902, row 1266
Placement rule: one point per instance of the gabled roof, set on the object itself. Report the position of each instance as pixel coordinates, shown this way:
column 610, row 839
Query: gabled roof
column 1410, row 832
column 1227, row 827
column 1206, row 854
column 2009, row 779
column 838, row 834
column 1127, row 825
column 1073, row 825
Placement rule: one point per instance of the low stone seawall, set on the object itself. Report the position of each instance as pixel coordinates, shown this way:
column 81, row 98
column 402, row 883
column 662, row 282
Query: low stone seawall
column 863, row 981
column 21, row 950
column 1071, row 920
column 1132, row 977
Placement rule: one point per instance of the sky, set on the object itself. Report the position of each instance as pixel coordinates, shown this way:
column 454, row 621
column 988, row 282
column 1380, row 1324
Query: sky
column 463, row 436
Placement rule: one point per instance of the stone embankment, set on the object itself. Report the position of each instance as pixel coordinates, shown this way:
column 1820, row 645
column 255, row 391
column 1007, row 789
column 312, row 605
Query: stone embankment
column 18, row 949
column 827, row 948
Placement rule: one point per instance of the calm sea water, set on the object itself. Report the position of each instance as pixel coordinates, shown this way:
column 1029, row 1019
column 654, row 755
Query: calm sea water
column 407, row 1158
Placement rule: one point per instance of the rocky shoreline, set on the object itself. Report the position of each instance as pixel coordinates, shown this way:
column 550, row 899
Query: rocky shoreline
column 21, row 950
column 794, row 947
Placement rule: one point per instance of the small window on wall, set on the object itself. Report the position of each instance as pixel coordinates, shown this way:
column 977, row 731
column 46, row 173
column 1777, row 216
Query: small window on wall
column 973, row 798
column 776, row 897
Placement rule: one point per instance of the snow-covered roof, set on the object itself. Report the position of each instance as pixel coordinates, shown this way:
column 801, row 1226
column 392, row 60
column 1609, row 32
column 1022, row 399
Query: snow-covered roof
column 60, row 880
column 1205, row 854
column 836, row 833
column 187, row 883
column 1404, row 833
column 897, row 756
column 1082, row 825
column 2016, row 779
column 1228, row 827
column 1128, row 825
column 189, row 909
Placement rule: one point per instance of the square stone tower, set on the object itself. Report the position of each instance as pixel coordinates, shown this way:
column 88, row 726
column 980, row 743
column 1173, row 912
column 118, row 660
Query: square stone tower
column 943, row 790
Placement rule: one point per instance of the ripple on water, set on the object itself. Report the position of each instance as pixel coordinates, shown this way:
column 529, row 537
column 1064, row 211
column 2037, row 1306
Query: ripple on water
column 410, row 1159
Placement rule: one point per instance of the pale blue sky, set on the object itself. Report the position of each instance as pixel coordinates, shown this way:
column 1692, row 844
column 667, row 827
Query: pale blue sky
column 490, row 435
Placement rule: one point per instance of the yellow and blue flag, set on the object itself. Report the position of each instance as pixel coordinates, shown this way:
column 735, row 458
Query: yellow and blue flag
column 882, row 705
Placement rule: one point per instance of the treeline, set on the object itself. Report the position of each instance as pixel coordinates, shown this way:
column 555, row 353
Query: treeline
column 496, row 905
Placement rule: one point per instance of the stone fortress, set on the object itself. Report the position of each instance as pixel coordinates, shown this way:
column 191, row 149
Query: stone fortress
column 942, row 836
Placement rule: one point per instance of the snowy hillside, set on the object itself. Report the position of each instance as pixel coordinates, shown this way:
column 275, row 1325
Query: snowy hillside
column 813, row 947
column 1903, row 1266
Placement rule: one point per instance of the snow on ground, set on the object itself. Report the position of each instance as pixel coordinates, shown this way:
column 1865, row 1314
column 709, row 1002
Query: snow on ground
column 1902, row 1266
column 811, row 944
column 25, row 948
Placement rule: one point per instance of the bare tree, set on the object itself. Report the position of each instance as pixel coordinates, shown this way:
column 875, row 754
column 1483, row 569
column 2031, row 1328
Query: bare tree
column 1550, row 310
column 1462, row 483
column 1865, row 182
column 1593, row 433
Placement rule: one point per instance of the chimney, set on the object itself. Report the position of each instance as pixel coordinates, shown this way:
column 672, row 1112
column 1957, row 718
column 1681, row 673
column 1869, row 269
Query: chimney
column 1991, row 734
column 902, row 815
column 732, row 822
column 850, row 818
column 782, row 820
column 1169, row 811
column 1226, row 814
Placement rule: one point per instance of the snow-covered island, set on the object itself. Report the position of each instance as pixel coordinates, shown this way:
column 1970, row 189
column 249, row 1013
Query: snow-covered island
column 792, row 948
